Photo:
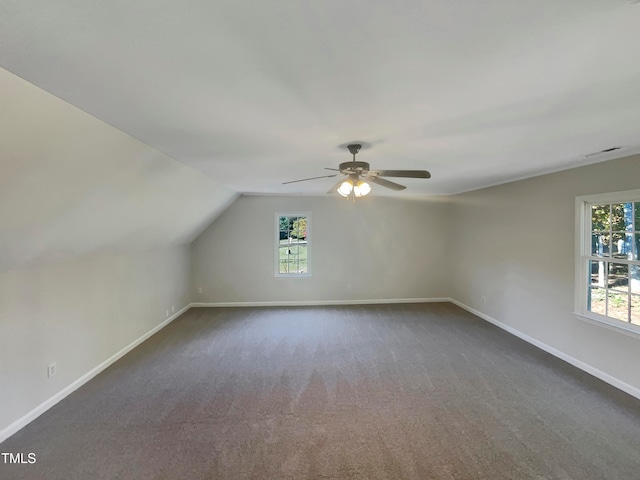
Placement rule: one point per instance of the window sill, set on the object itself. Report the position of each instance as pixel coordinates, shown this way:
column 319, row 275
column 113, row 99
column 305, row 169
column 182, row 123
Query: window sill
column 292, row 275
column 620, row 327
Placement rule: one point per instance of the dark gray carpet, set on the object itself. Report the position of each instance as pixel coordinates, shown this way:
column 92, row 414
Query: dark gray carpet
column 368, row 392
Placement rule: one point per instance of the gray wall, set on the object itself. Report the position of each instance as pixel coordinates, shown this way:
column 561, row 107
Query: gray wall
column 385, row 248
column 514, row 244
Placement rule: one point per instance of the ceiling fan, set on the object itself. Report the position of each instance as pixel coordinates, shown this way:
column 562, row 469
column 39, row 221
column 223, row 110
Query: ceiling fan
column 359, row 174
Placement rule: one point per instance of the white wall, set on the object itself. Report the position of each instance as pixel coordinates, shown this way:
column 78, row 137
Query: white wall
column 385, row 248
column 514, row 244
column 78, row 314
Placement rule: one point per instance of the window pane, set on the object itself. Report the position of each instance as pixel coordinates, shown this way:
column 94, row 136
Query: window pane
column 621, row 245
column 618, row 276
column 596, row 301
column 600, row 217
column 303, row 258
column 283, row 266
column 292, row 226
column 600, row 244
column 283, row 224
column 636, row 252
column 635, row 279
column 283, row 259
column 598, row 273
column 299, row 228
column 635, row 309
column 618, row 306
column 622, row 217
column 290, row 266
column 302, row 266
column 637, row 209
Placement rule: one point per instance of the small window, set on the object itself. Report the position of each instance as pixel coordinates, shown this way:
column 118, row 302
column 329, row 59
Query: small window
column 608, row 258
column 293, row 245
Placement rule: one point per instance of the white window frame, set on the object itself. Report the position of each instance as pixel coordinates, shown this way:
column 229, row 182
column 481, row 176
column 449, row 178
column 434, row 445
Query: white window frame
column 583, row 255
column 276, row 263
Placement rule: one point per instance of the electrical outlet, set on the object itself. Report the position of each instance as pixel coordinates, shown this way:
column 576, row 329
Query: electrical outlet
column 173, row 309
column 199, row 289
column 349, row 288
column 52, row 370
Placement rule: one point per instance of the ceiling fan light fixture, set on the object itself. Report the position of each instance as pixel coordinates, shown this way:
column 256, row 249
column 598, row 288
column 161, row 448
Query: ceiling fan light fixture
column 354, row 186
column 345, row 188
column 361, row 188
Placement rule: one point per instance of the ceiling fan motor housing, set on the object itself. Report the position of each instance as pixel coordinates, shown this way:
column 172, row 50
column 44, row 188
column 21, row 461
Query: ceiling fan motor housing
column 358, row 168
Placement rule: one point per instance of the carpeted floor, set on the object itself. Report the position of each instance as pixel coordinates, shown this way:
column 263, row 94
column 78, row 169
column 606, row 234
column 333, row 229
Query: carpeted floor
column 422, row 391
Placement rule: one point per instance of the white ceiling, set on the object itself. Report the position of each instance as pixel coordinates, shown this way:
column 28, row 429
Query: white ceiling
column 257, row 93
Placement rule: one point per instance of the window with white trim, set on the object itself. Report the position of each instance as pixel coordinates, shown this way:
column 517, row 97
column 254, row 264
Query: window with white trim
column 608, row 263
column 293, row 245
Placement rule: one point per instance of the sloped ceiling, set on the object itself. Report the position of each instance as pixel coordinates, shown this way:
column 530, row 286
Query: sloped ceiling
column 72, row 185
column 257, row 93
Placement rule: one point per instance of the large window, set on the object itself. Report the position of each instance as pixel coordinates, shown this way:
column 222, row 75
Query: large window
column 293, row 244
column 608, row 267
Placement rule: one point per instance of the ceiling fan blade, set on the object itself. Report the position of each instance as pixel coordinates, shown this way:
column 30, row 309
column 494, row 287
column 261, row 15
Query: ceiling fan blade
column 334, row 189
column 402, row 173
column 312, row 178
column 332, row 169
column 384, row 183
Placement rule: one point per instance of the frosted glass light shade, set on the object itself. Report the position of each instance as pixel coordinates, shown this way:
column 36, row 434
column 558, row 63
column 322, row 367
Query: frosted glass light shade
column 361, row 189
column 345, row 188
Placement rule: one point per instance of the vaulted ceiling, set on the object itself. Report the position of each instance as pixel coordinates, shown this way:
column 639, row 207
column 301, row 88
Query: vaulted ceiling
column 257, row 93
column 71, row 185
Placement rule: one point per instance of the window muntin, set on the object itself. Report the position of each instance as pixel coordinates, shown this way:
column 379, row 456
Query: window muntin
column 293, row 244
column 609, row 264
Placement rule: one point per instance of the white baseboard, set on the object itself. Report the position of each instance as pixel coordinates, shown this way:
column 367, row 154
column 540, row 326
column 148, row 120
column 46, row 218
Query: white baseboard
column 311, row 303
column 47, row 404
column 605, row 377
